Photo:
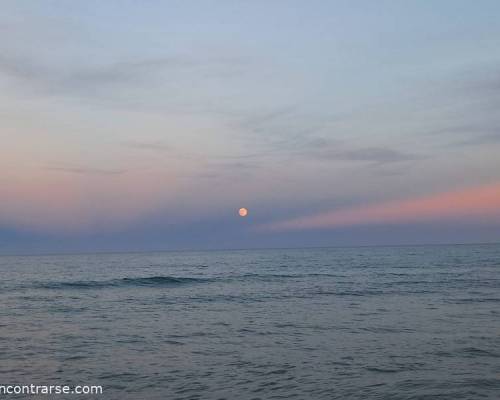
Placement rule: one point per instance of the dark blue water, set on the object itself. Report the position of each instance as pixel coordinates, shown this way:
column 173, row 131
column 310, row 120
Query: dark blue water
column 350, row 323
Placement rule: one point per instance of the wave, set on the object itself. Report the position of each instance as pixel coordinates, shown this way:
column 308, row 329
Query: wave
column 123, row 282
column 286, row 276
column 164, row 280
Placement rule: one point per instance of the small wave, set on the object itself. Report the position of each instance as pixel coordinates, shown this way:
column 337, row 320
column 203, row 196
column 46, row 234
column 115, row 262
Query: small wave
column 139, row 281
column 161, row 280
column 477, row 352
column 475, row 300
column 382, row 370
column 286, row 276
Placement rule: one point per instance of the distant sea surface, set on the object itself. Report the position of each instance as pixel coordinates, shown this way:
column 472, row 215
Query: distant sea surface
column 338, row 323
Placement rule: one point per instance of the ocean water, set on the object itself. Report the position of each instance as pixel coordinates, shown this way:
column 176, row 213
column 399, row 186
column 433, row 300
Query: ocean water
column 338, row 323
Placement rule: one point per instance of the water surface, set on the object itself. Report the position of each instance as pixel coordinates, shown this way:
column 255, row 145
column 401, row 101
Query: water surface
column 339, row 323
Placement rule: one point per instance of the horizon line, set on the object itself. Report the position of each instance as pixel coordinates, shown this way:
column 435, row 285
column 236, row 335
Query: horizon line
column 185, row 250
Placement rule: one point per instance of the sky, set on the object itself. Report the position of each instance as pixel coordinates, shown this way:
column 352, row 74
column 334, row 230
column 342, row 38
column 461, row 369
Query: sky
column 146, row 125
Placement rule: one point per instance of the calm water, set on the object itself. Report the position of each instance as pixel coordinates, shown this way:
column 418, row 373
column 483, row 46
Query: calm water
column 351, row 323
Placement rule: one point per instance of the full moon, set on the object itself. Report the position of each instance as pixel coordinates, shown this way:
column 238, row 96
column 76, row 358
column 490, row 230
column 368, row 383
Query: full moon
column 243, row 212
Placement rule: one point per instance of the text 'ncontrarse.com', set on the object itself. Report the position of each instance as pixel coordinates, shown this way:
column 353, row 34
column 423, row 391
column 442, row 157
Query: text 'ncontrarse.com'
column 49, row 389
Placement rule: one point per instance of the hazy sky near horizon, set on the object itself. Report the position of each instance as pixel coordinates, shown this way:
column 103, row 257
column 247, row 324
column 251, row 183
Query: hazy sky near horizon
column 147, row 124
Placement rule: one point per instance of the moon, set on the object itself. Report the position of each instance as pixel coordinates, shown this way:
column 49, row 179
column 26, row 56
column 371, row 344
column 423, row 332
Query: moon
column 243, row 212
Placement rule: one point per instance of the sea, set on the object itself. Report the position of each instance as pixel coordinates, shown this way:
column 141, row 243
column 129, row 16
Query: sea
column 391, row 323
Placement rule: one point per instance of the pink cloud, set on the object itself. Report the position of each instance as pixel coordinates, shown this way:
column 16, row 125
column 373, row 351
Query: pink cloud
column 469, row 203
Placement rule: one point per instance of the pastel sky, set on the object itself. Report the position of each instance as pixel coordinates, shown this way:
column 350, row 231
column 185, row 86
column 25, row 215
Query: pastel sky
column 141, row 125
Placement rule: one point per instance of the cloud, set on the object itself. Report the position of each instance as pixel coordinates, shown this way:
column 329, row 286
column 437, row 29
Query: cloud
column 485, row 139
column 92, row 79
column 475, row 202
column 155, row 146
column 23, row 69
column 484, row 83
column 85, row 78
column 233, row 165
column 472, row 134
column 321, row 148
column 259, row 122
column 86, row 170
column 379, row 155
column 279, row 130
column 226, row 170
column 286, row 132
column 375, row 154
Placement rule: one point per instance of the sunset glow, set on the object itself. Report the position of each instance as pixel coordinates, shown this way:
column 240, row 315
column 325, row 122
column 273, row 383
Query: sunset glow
column 471, row 203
